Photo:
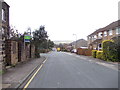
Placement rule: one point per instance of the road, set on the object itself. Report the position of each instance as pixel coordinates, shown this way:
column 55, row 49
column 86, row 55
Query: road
column 65, row 70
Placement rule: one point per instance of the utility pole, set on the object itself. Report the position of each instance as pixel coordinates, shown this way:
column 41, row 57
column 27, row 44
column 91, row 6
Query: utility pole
column 47, row 44
column 29, row 31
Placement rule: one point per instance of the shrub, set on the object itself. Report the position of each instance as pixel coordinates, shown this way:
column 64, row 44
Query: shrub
column 44, row 50
column 109, row 50
column 94, row 53
column 117, row 47
column 99, row 54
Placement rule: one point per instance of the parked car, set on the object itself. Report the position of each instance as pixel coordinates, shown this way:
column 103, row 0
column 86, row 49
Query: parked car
column 73, row 51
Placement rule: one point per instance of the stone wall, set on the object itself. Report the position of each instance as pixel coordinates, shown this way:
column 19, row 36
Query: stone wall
column 17, row 51
column 32, row 51
column 21, row 52
column 14, row 52
column 25, row 53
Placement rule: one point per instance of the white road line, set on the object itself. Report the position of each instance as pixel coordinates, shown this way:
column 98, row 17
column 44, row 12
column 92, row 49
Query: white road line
column 90, row 60
column 104, row 64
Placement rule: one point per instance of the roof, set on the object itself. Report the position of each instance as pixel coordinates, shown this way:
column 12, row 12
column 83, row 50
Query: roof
column 5, row 3
column 108, row 27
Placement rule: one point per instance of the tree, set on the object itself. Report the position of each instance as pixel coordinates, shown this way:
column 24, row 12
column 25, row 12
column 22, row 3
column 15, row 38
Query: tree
column 50, row 44
column 39, row 36
column 46, row 46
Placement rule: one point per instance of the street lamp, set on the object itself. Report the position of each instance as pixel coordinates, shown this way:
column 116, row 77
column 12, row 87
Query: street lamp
column 47, row 44
column 76, row 40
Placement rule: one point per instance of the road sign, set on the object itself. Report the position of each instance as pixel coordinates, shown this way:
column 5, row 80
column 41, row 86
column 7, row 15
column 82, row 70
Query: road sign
column 27, row 38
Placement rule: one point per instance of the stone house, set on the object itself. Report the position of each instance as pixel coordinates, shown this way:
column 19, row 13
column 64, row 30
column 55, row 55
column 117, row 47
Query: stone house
column 106, row 33
column 4, row 29
column 12, row 50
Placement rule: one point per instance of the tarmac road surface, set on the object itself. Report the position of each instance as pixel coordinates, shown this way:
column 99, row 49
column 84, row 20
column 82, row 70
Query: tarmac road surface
column 66, row 70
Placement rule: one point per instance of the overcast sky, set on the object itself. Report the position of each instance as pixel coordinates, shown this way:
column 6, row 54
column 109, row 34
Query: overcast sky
column 63, row 18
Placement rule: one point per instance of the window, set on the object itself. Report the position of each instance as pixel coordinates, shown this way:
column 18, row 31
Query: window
column 105, row 33
column 118, row 30
column 99, row 34
column 3, row 30
column 99, row 46
column 110, row 32
column 95, row 37
column 3, row 33
column 3, row 15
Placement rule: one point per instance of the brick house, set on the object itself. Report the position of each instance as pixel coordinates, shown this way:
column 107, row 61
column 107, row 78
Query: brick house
column 106, row 33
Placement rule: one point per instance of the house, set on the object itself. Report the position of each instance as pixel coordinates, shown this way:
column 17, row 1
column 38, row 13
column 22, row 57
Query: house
column 5, row 20
column 106, row 33
column 4, row 28
column 79, row 43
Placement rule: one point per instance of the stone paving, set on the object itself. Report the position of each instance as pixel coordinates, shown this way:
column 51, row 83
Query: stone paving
column 14, row 75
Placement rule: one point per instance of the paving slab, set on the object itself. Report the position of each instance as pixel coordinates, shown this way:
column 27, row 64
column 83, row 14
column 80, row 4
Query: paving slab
column 14, row 75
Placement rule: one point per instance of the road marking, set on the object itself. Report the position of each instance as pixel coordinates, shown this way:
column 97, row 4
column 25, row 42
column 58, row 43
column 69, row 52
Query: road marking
column 90, row 60
column 104, row 64
column 45, row 60
column 34, row 75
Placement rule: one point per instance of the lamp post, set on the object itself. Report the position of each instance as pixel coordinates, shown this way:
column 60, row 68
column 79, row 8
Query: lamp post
column 47, row 44
column 76, row 40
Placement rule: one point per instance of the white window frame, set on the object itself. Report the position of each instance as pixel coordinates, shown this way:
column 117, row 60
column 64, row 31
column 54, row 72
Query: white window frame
column 95, row 37
column 110, row 32
column 3, row 15
column 105, row 33
column 118, row 30
column 99, row 35
column 3, row 30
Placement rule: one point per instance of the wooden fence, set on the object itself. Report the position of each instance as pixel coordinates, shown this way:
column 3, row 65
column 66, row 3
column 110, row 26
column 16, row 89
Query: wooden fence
column 86, row 52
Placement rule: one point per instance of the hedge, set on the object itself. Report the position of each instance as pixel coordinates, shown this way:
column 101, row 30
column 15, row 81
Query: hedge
column 109, row 51
column 99, row 54
column 117, row 46
column 94, row 53
column 44, row 50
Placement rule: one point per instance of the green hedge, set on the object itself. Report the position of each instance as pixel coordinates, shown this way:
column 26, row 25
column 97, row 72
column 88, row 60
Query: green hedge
column 109, row 51
column 117, row 46
column 99, row 54
column 94, row 53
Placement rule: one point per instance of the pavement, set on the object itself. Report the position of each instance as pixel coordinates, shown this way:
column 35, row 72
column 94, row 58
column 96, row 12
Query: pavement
column 15, row 76
column 66, row 70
